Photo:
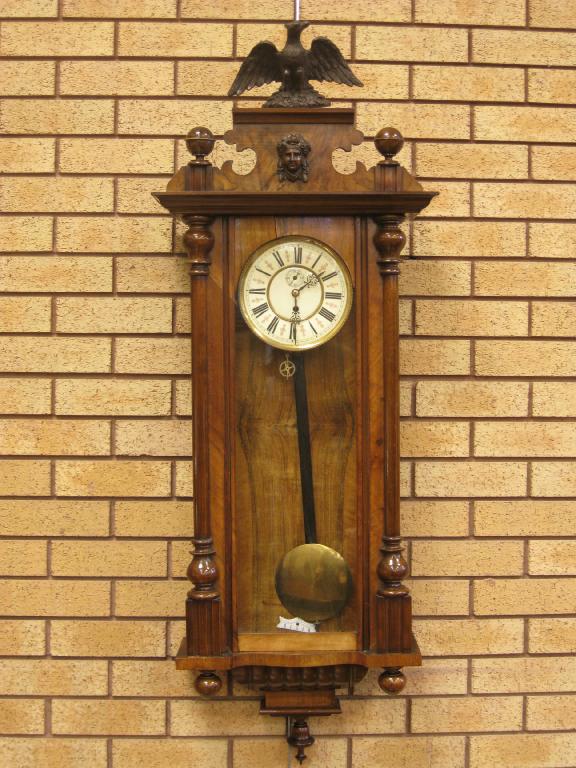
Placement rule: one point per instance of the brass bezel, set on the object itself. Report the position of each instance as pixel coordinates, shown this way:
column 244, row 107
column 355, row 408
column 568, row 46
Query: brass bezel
column 287, row 347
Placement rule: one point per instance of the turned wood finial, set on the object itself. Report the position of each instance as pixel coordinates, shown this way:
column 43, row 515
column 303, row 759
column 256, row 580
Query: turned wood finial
column 200, row 142
column 389, row 142
column 208, row 684
column 392, row 680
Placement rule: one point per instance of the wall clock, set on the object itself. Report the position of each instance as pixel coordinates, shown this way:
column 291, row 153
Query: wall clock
column 297, row 567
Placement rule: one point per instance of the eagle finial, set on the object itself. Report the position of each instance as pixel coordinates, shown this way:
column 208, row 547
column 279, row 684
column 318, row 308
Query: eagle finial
column 294, row 67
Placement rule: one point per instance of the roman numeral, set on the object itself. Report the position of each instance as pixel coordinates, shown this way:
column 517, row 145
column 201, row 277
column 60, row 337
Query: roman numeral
column 327, row 314
column 259, row 291
column 293, row 332
column 313, row 329
column 262, row 271
column 298, row 254
column 273, row 325
column 278, row 258
column 260, row 309
column 330, row 276
column 333, row 295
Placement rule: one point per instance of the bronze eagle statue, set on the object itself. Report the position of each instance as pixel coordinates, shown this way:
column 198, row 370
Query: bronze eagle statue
column 293, row 66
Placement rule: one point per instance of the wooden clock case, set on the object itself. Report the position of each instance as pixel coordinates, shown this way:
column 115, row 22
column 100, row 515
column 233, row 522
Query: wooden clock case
column 227, row 214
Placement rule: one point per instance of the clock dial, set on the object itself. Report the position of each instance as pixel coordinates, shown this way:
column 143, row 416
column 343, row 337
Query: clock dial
column 295, row 293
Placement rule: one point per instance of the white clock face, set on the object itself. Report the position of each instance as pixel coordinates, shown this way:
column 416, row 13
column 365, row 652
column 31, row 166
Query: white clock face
column 295, row 293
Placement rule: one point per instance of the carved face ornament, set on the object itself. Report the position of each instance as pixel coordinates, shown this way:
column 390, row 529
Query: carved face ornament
column 293, row 163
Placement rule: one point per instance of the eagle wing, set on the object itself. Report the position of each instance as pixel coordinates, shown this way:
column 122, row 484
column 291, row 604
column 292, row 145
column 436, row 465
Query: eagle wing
column 261, row 66
column 325, row 62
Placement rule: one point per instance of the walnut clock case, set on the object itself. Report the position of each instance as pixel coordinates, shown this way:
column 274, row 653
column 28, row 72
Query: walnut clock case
column 294, row 295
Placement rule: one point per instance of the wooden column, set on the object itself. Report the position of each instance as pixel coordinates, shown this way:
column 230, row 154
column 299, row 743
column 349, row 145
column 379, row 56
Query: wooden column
column 203, row 606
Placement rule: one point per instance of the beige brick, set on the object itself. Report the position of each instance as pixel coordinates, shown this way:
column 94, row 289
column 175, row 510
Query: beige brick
column 546, row 750
column 553, row 478
column 552, row 86
column 56, row 116
column 153, row 356
column 429, row 358
column 552, row 558
column 151, row 598
column 108, row 638
column 400, row 43
column 221, row 718
column 516, row 438
column 114, row 315
column 409, row 751
column 554, row 398
column 172, row 117
column 109, row 235
column 477, row 12
column 27, row 155
column 23, row 558
column 436, row 676
column 113, row 478
column 466, row 637
column 372, row 716
column 269, row 753
column 537, row 674
column 467, row 558
column 478, row 713
column 117, row 78
column 24, row 478
column 120, row 8
column 53, row 517
column 21, row 637
column 472, row 160
column 45, row 354
column 524, row 124
column 553, row 163
column 108, row 717
column 523, row 47
column 520, row 596
column 434, row 438
column 117, row 156
column 405, row 480
column 248, row 35
column 26, row 233
column 54, row 598
column 418, row 121
column 525, row 358
column 405, row 398
column 405, row 317
column 184, row 478
column 135, row 194
column 56, row 193
column 445, row 597
column 109, row 558
column 50, row 677
column 471, row 318
column 28, row 78
column 519, row 200
column 546, row 13
column 54, row 753
column 525, row 518
column 113, row 397
column 183, row 322
column 149, row 518
column 468, row 83
column 243, row 9
column 438, row 278
column 552, row 241
column 55, row 273
column 553, row 319
column 471, row 398
column 177, row 753
column 551, row 713
column 21, row 314
column 184, row 397
column 434, row 518
column 552, row 635
column 154, row 438
column 469, row 238
column 57, row 38
column 19, row 395
column 453, row 198
column 471, row 478
column 180, row 557
column 207, row 78
column 182, row 39
column 371, row 10
column 29, row 8
column 151, row 678
column 153, row 274
column 49, row 437
column 22, row 716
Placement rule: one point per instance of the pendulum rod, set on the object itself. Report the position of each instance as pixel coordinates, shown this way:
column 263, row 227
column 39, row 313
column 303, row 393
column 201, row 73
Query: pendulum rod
column 304, row 449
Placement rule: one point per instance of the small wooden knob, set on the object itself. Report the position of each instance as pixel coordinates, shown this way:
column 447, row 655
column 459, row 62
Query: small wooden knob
column 208, row 684
column 200, row 142
column 392, row 681
column 389, row 142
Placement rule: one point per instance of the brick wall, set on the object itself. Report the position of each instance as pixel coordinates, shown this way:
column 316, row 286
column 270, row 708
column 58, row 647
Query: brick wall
column 94, row 355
